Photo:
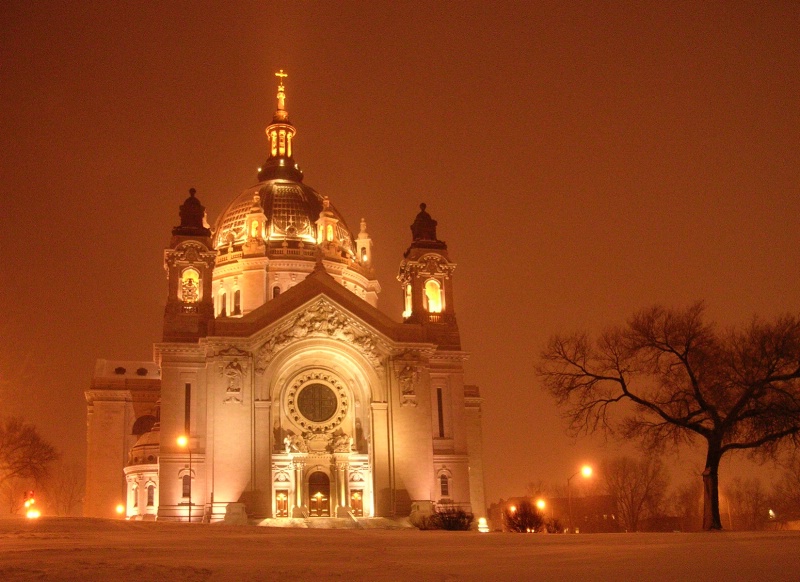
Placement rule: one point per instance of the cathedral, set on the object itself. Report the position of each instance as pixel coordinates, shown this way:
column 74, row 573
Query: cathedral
column 279, row 390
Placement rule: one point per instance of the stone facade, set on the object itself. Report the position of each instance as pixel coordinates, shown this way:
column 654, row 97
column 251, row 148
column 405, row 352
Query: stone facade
column 279, row 389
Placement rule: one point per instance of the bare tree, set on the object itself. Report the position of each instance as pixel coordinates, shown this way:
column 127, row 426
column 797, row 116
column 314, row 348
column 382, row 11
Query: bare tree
column 684, row 380
column 12, row 493
column 786, row 491
column 23, row 453
column 748, row 504
column 638, row 487
column 64, row 488
column 686, row 503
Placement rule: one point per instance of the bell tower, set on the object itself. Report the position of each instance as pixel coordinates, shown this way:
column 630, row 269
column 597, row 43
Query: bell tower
column 426, row 275
column 189, row 262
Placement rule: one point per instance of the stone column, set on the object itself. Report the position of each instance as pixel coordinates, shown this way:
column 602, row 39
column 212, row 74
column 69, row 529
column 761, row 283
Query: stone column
column 298, row 488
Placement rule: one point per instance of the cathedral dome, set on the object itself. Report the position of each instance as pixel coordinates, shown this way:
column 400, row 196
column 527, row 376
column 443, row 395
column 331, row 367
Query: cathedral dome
column 291, row 210
column 275, row 233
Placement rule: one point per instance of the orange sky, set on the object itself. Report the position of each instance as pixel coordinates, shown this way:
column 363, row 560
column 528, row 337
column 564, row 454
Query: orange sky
column 583, row 160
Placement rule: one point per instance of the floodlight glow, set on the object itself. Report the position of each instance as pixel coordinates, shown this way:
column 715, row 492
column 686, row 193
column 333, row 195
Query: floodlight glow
column 33, row 513
column 182, row 441
column 120, row 509
column 540, row 503
column 586, row 471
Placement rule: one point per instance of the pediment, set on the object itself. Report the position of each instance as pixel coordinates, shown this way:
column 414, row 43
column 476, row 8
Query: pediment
column 320, row 318
column 318, row 307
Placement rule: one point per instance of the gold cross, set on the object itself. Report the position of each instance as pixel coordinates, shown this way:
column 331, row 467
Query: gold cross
column 280, row 74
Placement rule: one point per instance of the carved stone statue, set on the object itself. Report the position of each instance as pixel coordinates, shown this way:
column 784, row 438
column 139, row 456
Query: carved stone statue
column 342, row 444
column 295, row 444
column 424, row 227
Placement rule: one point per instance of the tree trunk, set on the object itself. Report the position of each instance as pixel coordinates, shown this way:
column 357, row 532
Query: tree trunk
column 711, row 519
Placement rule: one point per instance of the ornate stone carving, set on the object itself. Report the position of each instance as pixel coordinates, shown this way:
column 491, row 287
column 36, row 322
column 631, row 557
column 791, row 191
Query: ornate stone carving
column 189, row 252
column 295, row 444
column 309, row 379
column 321, row 319
column 233, row 373
column 342, row 443
column 231, row 351
column 407, row 379
column 431, row 264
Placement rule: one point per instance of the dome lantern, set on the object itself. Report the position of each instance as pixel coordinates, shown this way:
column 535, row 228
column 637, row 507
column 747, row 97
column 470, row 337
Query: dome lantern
column 280, row 163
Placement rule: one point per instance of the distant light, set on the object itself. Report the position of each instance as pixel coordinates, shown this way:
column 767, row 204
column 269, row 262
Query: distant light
column 771, row 514
column 120, row 509
column 182, row 441
column 259, row 169
column 483, row 526
column 586, row 471
column 540, row 503
column 33, row 513
column 513, row 508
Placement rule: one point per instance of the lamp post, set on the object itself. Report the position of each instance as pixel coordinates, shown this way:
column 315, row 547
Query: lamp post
column 183, row 442
column 586, row 471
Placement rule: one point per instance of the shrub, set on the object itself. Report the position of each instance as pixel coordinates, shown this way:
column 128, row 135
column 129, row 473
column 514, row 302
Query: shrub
column 523, row 518
column 449, row 518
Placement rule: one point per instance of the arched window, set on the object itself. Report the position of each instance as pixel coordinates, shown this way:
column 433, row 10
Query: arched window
column 151, row 495
column 190, row 286
column 434, row 301
column 135, row 493
column 408, row 303
column 223, row 304
column 363, row 254
column 444, row 485
column 237, row 302
column 330, row 233
column 254, row 229
column 276, row 291
column 187, row 485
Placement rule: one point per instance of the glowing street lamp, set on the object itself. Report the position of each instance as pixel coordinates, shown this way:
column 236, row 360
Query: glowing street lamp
column 541, row 504
column 30, row 511
column 586, row 472
column 183, row 442
column 120, row 509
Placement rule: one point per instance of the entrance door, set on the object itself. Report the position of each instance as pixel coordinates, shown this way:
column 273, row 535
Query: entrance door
column 319, row 494
column 357, row 502
column 282, row 503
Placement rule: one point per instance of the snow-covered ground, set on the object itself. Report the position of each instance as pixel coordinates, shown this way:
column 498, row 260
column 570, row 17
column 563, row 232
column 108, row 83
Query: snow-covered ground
column 118, row 551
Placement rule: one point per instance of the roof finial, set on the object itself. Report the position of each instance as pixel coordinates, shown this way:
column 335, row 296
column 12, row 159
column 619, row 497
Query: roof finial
column 281, row 90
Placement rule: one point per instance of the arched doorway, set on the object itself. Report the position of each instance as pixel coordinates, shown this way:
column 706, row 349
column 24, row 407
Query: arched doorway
column 319, row 495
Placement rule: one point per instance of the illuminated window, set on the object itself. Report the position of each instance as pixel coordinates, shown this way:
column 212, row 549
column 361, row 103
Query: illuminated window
column 237, row 302
column 190, row 286
column 223, row 306
column 151, row 495
column 407, row 312
column 433, row 296
column 276, row 291
column 363, row 254
column 187, row 485
column 330, row 233
column 254, row 229
column 444, row 485
column 274, row 142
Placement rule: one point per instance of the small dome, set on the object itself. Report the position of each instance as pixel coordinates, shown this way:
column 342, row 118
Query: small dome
column 145, row 451
column 291, row 209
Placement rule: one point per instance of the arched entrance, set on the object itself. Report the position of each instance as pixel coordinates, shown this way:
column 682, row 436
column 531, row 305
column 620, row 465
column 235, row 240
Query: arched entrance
column 319, row 495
